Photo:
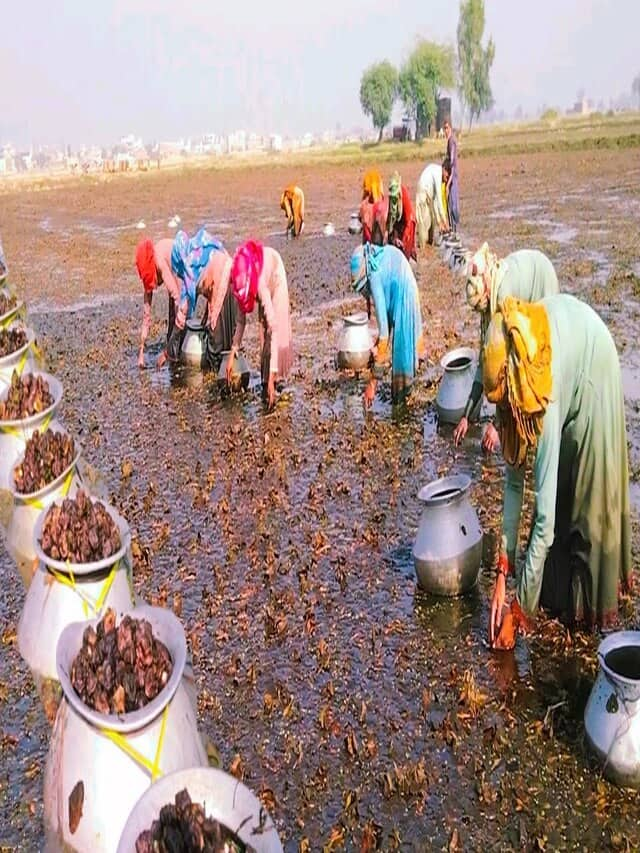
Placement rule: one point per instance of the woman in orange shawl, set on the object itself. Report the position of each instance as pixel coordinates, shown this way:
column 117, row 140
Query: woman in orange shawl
column 292, row 202
column 371, row 207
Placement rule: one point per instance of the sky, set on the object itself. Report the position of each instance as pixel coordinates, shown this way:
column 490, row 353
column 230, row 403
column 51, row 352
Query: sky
column 76, row 72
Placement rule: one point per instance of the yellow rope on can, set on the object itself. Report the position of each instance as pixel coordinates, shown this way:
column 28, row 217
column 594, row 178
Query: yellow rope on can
column 19, row 433
column 152, row 766
column 87, row 602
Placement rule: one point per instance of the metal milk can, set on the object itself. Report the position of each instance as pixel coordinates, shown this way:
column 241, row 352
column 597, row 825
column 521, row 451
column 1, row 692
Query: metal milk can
column 27, row 508
column 612, row 713
column 15, row 434
column 21, row 360
column 224, row 799
column 459, row 367
column 447, row 551
column 354, row 342
column 115, row 757
column 193, row 344
column 63, row 593
column 355, row 226
column 240, row 375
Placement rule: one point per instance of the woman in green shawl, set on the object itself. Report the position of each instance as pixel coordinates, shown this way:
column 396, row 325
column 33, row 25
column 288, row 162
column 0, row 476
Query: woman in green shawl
column 552, row 369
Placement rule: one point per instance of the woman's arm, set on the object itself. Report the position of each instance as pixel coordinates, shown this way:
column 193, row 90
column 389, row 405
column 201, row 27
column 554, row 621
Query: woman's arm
column 264, row 294
column 380, row 308
column 171, row 282
column 546, row 488
column 241, row 322
column 146, row 317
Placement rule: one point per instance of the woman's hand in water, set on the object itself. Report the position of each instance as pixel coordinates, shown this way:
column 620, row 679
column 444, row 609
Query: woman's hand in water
column 271, row 391
column 232, row 358
column 369, row 394
column 490, row 439
column 460, row 431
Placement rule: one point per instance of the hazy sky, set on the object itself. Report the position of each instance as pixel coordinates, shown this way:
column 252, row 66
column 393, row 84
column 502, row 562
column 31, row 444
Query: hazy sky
column 94, row 70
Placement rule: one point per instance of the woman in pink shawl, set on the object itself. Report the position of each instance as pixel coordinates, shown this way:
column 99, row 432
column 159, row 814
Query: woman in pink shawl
column 257, row 272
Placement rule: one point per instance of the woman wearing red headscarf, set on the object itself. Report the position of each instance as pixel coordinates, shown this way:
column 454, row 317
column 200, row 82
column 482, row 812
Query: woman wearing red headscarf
column 257, row 273
column 153, row 262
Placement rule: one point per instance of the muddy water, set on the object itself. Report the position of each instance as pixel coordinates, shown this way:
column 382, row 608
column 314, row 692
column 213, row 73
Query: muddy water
column 357, row 706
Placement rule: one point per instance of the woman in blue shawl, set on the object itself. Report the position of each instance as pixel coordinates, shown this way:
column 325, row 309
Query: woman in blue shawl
column 189, row 258
column 383, row 274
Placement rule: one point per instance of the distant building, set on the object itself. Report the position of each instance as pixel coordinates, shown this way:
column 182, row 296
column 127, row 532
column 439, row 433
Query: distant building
column 581, row 107
column 236, row 141
column 275, row 142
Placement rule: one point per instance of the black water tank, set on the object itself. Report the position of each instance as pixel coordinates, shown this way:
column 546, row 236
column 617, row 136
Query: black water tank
column 444, row 113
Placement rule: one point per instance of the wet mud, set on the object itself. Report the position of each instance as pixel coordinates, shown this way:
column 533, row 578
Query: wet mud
column 366, row 714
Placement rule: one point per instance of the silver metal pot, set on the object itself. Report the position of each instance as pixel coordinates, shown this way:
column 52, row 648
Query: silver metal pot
column 354, row 343
column 612, row 714
column 117, row 757
column 240, row 375
column 15, row 434
column 448, row 548
column 193, row 343
column 459, row 367
column 224, row 798
column 355, row 226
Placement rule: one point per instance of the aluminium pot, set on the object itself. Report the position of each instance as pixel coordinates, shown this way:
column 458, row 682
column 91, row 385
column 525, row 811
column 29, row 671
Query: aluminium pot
column 354, row 342
column 459, row 367
column 164, row 735
column 240, row 374
column 224, row 799
column 447, row 551
column 21, row 360
column 355, row 225
column 612, row 713
column 15, row 434
column 10, row 315
column 193, row 345
column 61, row 594
column 19, row 539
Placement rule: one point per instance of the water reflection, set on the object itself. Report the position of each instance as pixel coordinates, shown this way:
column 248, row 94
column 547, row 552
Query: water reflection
column 457, row 616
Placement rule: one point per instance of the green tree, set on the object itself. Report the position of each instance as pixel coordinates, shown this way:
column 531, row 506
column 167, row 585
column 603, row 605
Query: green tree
column 474, row 61
column 429, row 69
column 378, row 91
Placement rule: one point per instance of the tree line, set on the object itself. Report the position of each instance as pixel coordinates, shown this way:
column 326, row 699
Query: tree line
column 428, row 70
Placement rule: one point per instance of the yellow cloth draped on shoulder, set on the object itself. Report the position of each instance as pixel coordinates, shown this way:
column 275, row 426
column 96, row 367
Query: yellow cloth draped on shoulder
column 517, row 374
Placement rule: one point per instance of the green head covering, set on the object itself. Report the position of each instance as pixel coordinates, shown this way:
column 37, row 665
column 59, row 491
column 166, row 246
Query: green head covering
column 395, row 201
